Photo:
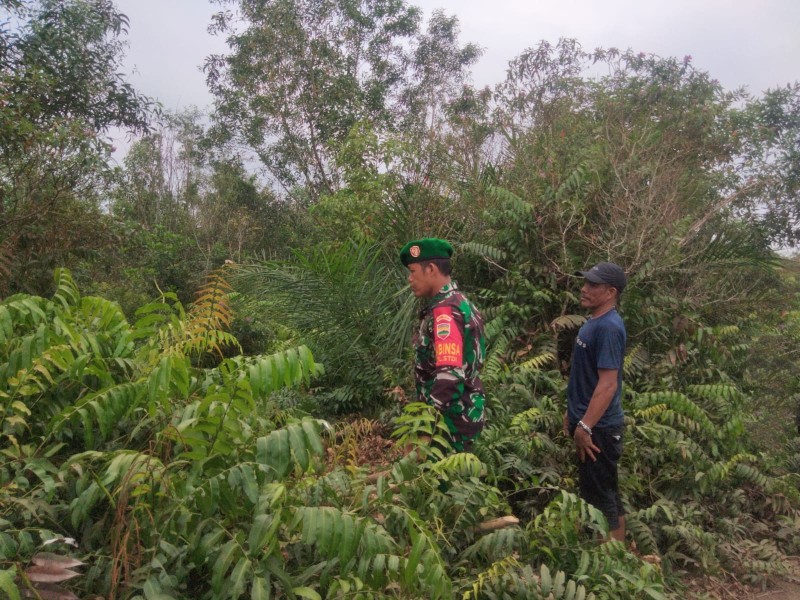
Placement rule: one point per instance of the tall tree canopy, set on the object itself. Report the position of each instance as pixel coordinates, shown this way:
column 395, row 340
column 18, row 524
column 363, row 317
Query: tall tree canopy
column 302, row 73
column 60, row 89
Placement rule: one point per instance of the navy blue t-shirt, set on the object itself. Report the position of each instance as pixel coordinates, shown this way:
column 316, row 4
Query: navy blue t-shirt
column 600, row 345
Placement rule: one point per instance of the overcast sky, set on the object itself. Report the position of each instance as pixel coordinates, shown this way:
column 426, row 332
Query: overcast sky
column 752, row 43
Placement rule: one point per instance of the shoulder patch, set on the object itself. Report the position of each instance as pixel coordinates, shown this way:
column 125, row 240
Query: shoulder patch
column 448, row 343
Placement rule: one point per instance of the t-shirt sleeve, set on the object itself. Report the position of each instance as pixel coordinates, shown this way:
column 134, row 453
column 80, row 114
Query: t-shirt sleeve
column 610, row 348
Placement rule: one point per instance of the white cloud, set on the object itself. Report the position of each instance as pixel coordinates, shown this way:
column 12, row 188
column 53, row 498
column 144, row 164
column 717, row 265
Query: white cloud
column 740, row 43
column 168, row 44
column 750, row 43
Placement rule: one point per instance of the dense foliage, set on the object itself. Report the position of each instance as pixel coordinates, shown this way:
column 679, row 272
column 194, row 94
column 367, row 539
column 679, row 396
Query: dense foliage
column 177, row 480
column 237, row 447
column 61, row 91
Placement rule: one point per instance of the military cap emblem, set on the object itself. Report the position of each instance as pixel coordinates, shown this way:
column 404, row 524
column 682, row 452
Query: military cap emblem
column 425, row 249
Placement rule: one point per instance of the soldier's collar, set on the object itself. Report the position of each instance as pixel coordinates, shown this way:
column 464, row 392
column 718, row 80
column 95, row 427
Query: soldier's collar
column 447, row 288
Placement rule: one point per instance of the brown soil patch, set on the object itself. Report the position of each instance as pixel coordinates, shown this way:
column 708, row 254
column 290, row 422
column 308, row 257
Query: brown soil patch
column 363, row 443
column 781, row 588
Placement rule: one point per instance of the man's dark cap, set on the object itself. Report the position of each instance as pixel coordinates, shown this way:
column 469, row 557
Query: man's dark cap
column 425, row 249
column 606, row 272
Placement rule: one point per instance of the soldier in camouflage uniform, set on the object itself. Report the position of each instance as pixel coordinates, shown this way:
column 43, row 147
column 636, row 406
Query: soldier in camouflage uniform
column 449, row 344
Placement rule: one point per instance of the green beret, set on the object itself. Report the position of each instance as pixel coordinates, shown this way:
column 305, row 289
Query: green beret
column 425, row 249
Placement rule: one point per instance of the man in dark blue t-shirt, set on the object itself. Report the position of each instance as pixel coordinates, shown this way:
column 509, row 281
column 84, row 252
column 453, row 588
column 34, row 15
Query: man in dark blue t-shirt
column 594, row 417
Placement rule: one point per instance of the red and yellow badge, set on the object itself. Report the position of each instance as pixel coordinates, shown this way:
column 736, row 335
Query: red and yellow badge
column 443, row 326
column 414, row 251
column 448, row 344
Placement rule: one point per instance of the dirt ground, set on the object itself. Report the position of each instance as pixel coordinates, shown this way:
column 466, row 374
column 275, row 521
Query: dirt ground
column 785, row 588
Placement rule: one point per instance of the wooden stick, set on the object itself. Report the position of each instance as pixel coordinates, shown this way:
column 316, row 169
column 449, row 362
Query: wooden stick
column 495, row 524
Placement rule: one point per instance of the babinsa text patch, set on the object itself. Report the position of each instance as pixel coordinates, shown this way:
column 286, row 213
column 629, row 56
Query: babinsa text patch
column 448, row 344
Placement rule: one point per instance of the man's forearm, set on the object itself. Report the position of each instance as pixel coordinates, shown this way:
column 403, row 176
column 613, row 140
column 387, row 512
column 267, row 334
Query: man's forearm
column 601, row 399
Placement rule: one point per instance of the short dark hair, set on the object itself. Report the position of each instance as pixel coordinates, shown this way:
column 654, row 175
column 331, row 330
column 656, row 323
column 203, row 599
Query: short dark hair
column 443, row 264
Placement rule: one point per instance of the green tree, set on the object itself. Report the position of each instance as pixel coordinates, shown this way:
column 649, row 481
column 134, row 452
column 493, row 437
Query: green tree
column 177, row 179
column 770, row 135
column 301, row 73
column 61, row 90
column 164, row 173
column 348, row 307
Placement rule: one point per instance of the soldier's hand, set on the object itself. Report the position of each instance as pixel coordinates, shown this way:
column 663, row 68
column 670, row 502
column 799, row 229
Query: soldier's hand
column 585, row 446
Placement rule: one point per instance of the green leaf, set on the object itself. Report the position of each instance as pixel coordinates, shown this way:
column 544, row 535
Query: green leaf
column 41, row 467
column 249, row 483
column 262, row 451
column 261, row 589
column 208, row 542
column 545, row 580
column 6, row 325
column 277, row 453
column 221, row 565
column 412, row 562
column 297, row 441
column 259, row 532
column 7, row 584
column 311, row 429
column 152, row 590
column 306, row 592
column 238, row 579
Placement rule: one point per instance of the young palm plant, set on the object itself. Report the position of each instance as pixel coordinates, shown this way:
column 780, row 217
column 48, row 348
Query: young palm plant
column 353, row 312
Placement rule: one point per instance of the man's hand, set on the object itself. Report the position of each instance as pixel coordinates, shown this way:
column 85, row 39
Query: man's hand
column 585, row 445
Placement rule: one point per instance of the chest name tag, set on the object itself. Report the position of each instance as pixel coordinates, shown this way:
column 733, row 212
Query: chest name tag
column 448, row 344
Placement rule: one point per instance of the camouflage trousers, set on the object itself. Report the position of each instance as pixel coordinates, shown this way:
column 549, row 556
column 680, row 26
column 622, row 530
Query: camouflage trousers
column 462, row 433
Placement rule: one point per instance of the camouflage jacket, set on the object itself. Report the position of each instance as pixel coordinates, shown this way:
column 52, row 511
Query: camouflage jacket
column 449, row 353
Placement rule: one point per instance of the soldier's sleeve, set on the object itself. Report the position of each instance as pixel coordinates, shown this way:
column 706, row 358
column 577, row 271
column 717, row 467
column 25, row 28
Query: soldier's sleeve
column 448, row 345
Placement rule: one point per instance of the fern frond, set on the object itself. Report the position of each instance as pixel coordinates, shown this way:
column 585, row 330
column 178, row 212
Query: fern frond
column 643, row 524
column 537, row 362
column 294, row 445
column 720, row 472
column 491, row 576
column 521, row 421
column 691, row 545
column 27, row 311
column 651, row 412
column 511, row 201
column 726, row 330
column 571, row 184
column 267, row 374
column 419, row 422
column 673, row 441
column 495, row 545
column 483, row 251
column 337, row 534
column 728, row 392
column 109, row 324
column 102, row 410
column 67, row 293
column 567, row 322
column 460, row 465
column 682, row 410
column 424, row 568
column 636, row 361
